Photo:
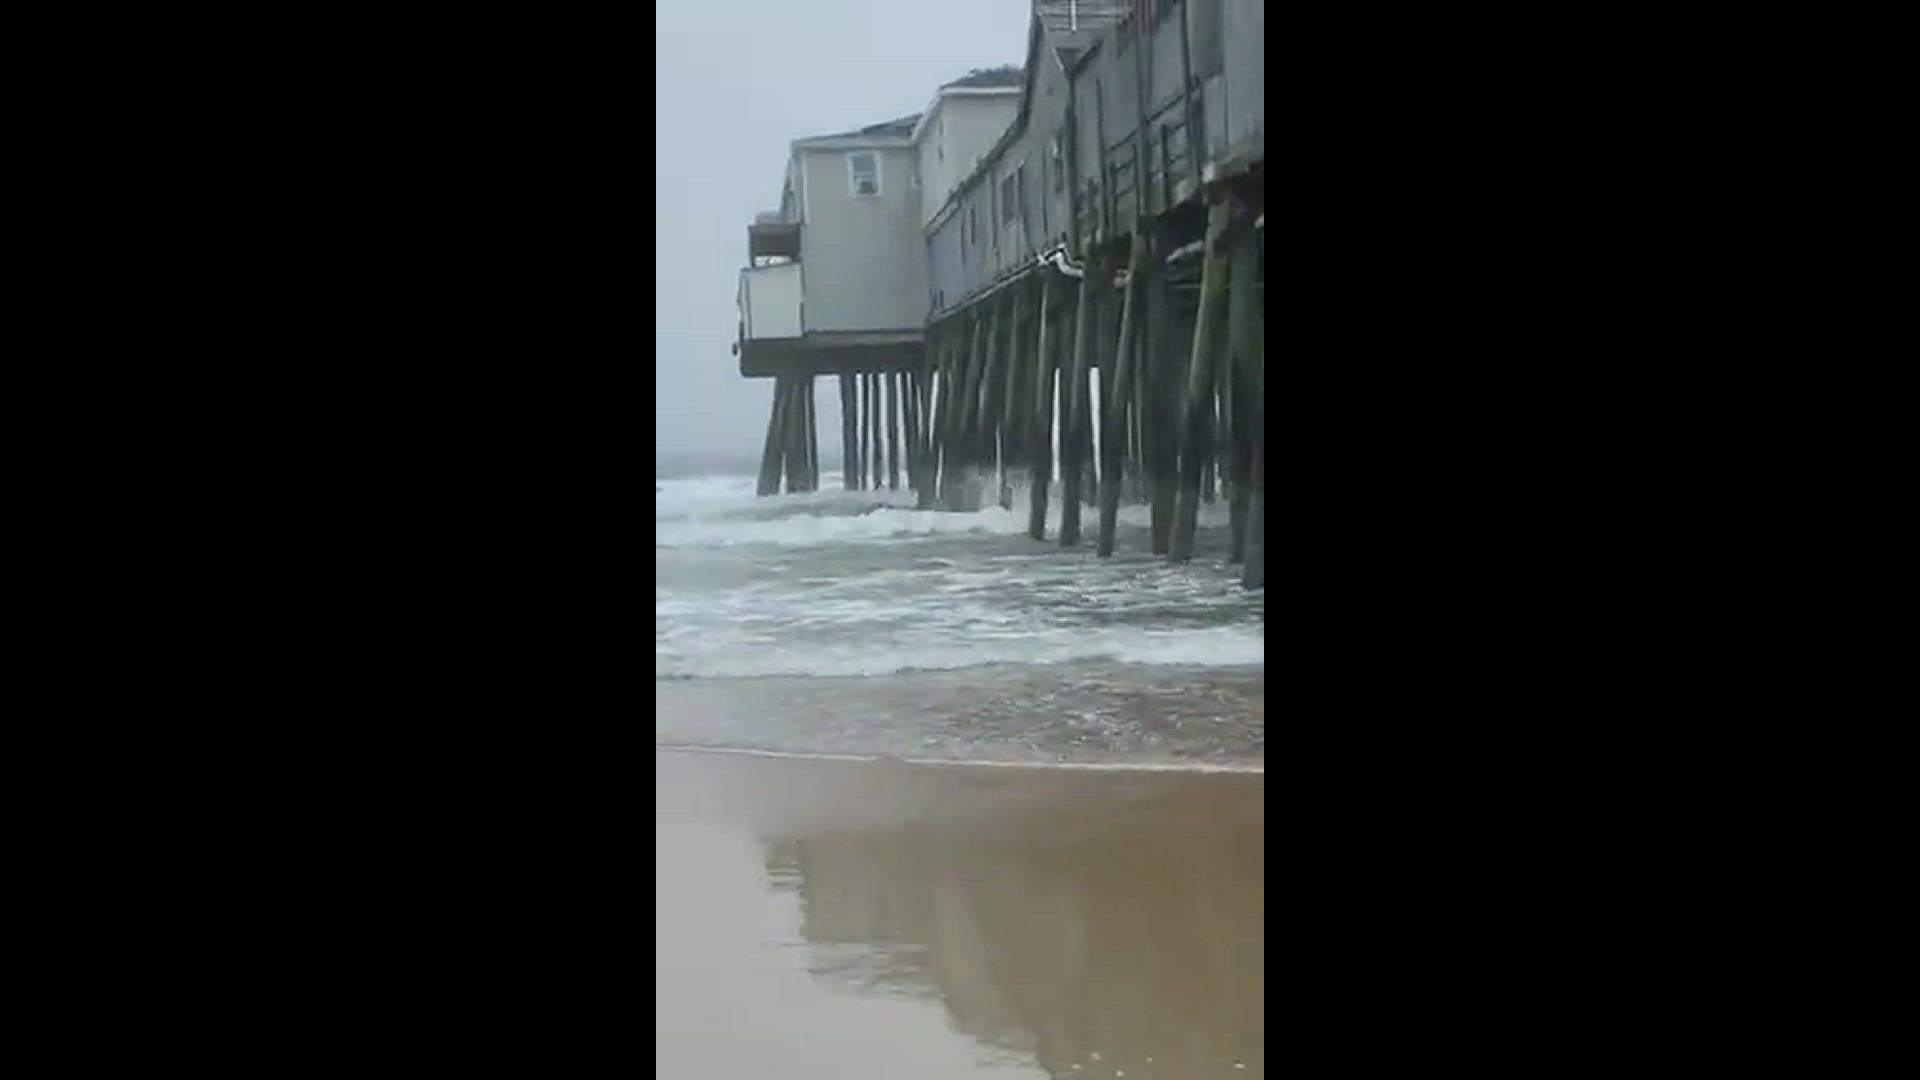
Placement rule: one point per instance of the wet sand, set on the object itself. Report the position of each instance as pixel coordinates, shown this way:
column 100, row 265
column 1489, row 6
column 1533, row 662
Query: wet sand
column 867, row 920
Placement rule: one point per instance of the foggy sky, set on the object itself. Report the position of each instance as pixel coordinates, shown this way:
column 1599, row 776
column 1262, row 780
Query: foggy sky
column 736, row 82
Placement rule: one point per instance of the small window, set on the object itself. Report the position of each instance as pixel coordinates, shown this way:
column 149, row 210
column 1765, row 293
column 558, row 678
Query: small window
column 863, row 174
column 1010, row 199
column 1059, row 162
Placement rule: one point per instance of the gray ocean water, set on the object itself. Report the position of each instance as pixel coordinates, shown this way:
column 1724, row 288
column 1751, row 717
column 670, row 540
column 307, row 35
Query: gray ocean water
column 849, row 623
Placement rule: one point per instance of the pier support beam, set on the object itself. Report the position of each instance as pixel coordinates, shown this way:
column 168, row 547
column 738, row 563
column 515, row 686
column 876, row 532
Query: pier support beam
column 1241, row 397
column 1254, row 574
column 1196, row 424
column 1160, row 388
column 939, row 403
column 813, row 435
column 1040, row 456
column 1014, row 412
column 769, row 480
column 1116, row 387
column 962, row 373
column 910, row 432
column 864, row 386
column 1076, row 423
column 794, row 435
column 849, row 454
column 893, row 429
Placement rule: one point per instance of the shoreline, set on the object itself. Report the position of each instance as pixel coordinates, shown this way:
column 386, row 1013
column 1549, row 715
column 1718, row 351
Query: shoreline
column 1207, row 767
column 845, row 916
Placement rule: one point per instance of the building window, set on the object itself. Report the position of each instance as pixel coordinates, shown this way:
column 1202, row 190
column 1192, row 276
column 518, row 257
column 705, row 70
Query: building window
column 1010, row 198
column 863, row 173
column 1060, row 162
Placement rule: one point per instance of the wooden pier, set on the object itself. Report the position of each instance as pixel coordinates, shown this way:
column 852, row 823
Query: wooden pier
column 1097, row 332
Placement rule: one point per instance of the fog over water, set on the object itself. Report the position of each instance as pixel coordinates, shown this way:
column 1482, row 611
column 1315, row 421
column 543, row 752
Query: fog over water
column 735, row 83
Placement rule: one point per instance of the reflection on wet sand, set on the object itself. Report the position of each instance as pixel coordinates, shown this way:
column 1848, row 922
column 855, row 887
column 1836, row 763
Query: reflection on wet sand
column 1092, row 923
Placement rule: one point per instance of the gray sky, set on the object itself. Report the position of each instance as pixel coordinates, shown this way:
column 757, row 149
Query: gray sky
column 735, row 82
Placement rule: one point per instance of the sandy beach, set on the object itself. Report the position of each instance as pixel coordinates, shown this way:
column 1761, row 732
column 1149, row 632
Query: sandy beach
column 881, row 919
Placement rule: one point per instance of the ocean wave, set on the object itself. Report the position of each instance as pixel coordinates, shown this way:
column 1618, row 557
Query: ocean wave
column 759, row 655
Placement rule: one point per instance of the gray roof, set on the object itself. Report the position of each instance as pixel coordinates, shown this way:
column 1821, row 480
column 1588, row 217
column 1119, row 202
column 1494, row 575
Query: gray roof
column 1012, row 75
column 1074, row 25
column 886, row 129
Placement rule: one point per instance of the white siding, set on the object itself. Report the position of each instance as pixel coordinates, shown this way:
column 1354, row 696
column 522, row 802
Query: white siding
column 770, row 301
column 864, row 259
column 960, row 132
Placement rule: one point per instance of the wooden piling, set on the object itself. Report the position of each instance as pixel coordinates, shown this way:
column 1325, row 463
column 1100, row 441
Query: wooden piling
column 879, row 428
column 1195, row 428
column 769, row 481
column 911, row 423
column 813, row 435
column 847, row 452
column 1012, row 428
column 986, row 413
column 1116, row 387
column 1013, row 414
column 967, row 434
column 868, row 452
column 1242, row 313
column 939, row 460
column 1072, row 447
column 1254, row 411
column 863, row 385
column 1254, row 574
column 1208, row 459
column 938, row 401
column 793, row 427
column 909, row 429
column 929, row 417
column 1040, row 437
column 1161, row 387
column 892, row 380
column 953, row 455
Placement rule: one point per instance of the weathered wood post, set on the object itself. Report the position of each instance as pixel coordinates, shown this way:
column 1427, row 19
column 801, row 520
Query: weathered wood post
column 1209, row 460
column 870, row 431
column 939, row 400
column 1195, row 434
column 1040, row 440
column 892, row 379
column 910, row 413
column 1254, row 410
column 993, row 387
column 799, row 467
column 848, row 455
column 985, row 410
column 1240, row 399
column 876, row 418
column 769, row 481
column 813, row 435
column 1072, row 446
column 1012, row 430
column 1116, row 387
column 865, row 387
column 1160, row 390
column 1254, row 574
column 930, row 429
column 965, row 387
column 909, row 428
